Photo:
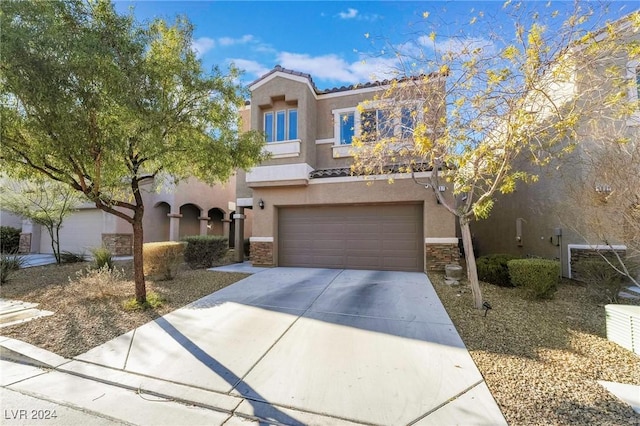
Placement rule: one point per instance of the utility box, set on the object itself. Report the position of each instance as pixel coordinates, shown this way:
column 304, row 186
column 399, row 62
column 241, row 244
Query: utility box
column 623, row 326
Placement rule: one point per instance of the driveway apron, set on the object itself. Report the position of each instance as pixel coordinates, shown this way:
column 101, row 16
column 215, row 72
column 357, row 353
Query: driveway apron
column 366, row 347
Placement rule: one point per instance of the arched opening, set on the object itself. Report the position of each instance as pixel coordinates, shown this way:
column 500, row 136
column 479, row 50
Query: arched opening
column 215, row 226
column 189, row 222
column 158, row 223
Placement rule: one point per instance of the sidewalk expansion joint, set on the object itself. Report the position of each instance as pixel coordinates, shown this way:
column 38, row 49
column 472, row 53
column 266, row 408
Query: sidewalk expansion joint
column 126, row 359
column 447, row 402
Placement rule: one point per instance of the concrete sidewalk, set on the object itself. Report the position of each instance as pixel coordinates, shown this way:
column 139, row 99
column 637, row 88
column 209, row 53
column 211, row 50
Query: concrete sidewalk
column 286, row 345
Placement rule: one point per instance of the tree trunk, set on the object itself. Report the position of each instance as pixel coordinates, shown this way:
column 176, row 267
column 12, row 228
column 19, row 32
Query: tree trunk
column 470, row 257
column 55, row 241
column 138, row 261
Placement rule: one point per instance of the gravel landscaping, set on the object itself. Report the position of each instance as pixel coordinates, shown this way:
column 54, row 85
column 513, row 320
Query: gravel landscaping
column 88, row 313
column 542, row 359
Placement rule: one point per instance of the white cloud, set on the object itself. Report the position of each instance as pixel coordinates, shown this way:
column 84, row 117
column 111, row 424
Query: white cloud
column 229, row 41
column 460, row 46
column 250, row 67
column 202, row 45
column 352, row 13
column 333, row 68
column 349, row 14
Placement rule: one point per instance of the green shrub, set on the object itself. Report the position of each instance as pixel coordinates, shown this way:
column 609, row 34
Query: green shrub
column 600, row 278
column 162, row 259
column 9, row 264
column 203, row 251
column 102, row 257
column 154, row 301
column 70, row 257
column 9, row 239
column 538, row 278
column 493, row 269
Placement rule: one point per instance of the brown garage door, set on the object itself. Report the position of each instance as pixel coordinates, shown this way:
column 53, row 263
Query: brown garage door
column 381, row 237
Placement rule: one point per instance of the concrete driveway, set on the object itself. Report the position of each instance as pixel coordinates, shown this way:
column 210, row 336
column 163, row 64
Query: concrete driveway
column 302, row 346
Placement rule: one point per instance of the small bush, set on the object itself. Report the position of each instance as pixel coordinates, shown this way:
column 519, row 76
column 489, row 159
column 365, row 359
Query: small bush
column 600, row 278
column 493, row 269
column 162, row 259
column 203, row 251
column 99, row 282
column 154, row 301
column 538, row 278
column 9, row 264
column 9, row 239
column 102, row 257
column 70, row 257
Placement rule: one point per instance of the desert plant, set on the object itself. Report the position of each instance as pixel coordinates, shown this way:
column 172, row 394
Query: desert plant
column 493, row 269
column 99, row 282
column 70, row 257
column 600, row 278
column 154, row 301
column 9, row 264
column 538, row 278
column 9, row 239
column 203, row 251
column 162, row 259
column 102, row 257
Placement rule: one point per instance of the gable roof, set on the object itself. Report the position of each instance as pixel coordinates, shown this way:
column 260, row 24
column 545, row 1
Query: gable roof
column 306, row 78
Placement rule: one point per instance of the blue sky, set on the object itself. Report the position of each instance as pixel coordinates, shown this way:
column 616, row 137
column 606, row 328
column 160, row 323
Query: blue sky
column 337, row 42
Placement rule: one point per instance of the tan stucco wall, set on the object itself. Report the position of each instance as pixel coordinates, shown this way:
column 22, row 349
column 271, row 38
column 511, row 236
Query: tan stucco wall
column 80, row 232
column 438, row 222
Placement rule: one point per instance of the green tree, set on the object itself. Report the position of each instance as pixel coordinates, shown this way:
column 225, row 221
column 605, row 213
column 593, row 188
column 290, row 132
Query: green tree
column 101, row 103
column 477, row 110
column 43, row 202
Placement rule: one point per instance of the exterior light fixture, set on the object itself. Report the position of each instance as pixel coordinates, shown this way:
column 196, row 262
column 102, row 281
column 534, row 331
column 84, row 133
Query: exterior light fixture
column 261, row 204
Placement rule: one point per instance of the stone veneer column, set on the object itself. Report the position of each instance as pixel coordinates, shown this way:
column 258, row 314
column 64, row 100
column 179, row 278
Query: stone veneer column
column 440, row 252
column 118, row 244
column 262, row 251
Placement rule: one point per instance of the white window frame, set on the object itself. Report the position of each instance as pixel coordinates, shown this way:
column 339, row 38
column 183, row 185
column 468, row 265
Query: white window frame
column 274, row 130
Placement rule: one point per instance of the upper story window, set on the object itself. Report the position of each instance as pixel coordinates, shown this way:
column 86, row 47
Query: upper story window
column 347, row 127
column 281, row 125
column 375, row 124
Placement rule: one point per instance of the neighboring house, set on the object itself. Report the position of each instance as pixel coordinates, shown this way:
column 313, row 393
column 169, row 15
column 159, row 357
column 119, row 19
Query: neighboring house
column 308, row 209
column 544, row 219
column 190, row 208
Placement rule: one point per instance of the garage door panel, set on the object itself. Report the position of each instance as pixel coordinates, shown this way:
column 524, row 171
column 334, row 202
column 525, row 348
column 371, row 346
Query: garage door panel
column 387, row 237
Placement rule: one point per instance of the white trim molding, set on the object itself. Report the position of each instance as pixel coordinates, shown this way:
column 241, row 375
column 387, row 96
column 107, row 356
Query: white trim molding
column 244, row 202
column 283, row 149
column 590, row 247
column 435, row 240
column 261, row 239
column 325, row 141
column 297, row 171
column 340, row 151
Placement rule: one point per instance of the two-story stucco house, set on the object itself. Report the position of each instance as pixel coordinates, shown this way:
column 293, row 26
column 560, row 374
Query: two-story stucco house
column 308, row 210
